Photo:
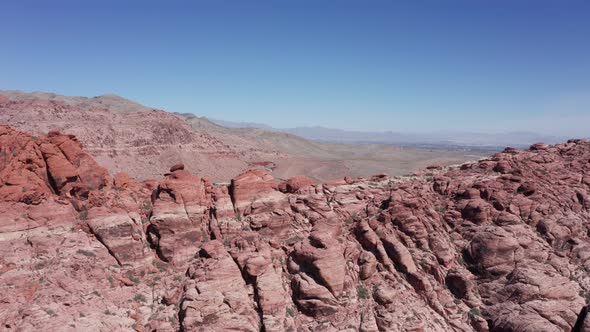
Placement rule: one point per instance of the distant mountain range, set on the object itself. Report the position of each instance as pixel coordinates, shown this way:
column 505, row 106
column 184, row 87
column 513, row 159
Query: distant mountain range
column 443, row 139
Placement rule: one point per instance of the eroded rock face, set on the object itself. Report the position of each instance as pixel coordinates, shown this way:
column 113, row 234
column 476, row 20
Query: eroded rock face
column 180, row 217
column 216, row 297
column 258, row 201
column 296, row 183
column 497, row 245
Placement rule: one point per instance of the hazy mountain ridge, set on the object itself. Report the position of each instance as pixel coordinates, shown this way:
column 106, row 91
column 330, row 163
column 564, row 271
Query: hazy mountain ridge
column 112, row 102
column 436, row 139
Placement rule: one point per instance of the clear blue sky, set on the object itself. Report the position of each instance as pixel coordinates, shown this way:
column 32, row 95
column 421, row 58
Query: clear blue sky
column 368, row 65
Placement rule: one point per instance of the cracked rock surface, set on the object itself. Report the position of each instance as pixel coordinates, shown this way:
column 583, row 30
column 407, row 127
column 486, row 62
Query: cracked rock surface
column 501, row 244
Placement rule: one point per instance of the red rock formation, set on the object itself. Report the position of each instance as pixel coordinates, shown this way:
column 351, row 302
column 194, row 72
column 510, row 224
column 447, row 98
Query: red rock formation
column 180, row 217
column 497, row 245
column 295, row 183
column 258, row 202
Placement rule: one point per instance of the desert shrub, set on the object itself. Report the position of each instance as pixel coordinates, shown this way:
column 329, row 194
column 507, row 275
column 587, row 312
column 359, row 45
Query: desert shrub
column 291, row 312
column 362, row 292
column 135, row 280
column 86, row 253
column 139, row 298
column 293, row 240
column 474, row 312
column 146, row 205
column 161, row 266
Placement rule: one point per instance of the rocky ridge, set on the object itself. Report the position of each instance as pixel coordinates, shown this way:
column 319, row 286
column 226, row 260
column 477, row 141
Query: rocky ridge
column 495, row 245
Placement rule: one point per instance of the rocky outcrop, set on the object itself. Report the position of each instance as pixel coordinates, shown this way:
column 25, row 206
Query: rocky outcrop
column 258, row 202
column 295, row 183
column 217, row 297
column 179, row 223
column 496, row 245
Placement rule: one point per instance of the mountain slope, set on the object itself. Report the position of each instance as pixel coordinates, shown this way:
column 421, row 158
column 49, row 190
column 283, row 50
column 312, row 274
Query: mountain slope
column 127, row 137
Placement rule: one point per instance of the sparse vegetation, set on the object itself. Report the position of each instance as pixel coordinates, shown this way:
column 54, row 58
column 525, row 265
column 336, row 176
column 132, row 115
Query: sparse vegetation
column 139, row 298
column 86, row 253
column 474, row 312
column 83, row 215
column 161, row 266
column 291, row 312
column 135, row 280
column 146, row 205
column 362, row 292
column 294, row 239
column 50, row 312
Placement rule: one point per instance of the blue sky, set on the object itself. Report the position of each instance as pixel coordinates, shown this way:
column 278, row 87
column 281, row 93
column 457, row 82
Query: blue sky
column 473, row 65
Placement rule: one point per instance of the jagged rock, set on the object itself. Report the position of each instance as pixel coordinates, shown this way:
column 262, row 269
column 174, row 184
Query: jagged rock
column 322, row 255
column 494, row 251
column 217, row 298
column 180, row 216
column 257, row 200
column 177, row 167
column 314, row 299
column 368, row 265
column 384, row 294
column 121, row 233
column 295, row 183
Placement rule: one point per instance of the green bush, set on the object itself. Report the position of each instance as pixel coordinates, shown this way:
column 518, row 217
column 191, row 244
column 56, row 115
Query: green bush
column 362, row 292
column 86, row 253
column 135, row 279
column 291, row 312
column 139, row 298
